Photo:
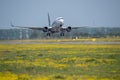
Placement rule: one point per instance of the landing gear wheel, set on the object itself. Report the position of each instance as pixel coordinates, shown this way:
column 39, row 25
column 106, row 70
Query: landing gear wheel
column 48, row 34
column 62, row 34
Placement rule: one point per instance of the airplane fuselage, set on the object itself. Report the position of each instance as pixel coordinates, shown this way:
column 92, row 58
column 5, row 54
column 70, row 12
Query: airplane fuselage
column 57, row 25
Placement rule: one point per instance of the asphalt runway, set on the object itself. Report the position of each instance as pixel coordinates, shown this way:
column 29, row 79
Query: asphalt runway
column 69, row 42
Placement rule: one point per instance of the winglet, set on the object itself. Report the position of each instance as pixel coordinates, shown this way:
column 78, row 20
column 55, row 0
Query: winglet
column 12, row 24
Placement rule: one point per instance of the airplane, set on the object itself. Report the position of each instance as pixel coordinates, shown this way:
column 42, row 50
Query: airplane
column 55, row 27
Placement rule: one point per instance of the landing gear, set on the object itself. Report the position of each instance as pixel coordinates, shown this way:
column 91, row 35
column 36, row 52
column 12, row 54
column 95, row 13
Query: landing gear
column 62, row 34
column 48, row 34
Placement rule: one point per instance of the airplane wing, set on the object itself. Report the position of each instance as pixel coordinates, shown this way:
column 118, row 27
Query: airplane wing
column 30, row 27
column 78, row 27
column 70, row 27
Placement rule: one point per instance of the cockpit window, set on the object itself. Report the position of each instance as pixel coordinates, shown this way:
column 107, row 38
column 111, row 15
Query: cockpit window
column 59, row 18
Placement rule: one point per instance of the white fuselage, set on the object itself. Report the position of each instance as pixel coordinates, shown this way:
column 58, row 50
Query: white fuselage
column 57, row 24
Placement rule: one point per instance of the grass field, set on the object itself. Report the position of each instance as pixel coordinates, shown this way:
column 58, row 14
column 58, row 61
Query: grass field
column 59, row 62
column 109, row 39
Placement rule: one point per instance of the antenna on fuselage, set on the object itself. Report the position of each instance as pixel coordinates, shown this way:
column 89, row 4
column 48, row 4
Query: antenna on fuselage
column 49, row 23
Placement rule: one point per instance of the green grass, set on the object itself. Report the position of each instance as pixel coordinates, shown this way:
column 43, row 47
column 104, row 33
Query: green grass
column 59, row 61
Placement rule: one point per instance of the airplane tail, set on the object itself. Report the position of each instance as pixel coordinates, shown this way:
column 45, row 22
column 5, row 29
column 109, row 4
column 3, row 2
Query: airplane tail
column 49, row 23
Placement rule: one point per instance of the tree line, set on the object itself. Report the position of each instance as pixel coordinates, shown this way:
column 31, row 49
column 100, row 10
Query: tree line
column 95, row 32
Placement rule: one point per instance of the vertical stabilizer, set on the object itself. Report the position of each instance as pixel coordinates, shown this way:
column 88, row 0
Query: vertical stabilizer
column 49, row 23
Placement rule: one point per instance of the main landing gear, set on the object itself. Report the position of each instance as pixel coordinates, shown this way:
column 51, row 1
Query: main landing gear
column 48, row 34
column 62, row 34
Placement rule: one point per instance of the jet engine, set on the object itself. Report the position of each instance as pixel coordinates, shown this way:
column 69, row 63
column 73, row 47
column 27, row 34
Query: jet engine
column 45, row 29
column 68, row 29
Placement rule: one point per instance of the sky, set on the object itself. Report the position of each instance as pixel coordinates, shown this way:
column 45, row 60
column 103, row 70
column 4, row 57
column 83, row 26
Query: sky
column 97, row 13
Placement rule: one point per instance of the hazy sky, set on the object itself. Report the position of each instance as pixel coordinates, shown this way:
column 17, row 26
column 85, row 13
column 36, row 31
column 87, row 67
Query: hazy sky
column 75, row 12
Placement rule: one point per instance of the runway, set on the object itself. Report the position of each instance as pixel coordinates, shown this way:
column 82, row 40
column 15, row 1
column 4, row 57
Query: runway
column 55, row 42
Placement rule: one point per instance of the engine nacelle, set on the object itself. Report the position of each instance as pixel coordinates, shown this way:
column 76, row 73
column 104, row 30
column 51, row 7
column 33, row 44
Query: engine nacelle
column 45, row 29
column 68, row 29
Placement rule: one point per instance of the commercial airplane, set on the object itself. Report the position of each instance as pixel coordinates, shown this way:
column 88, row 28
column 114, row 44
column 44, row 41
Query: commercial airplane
column 55, row 27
